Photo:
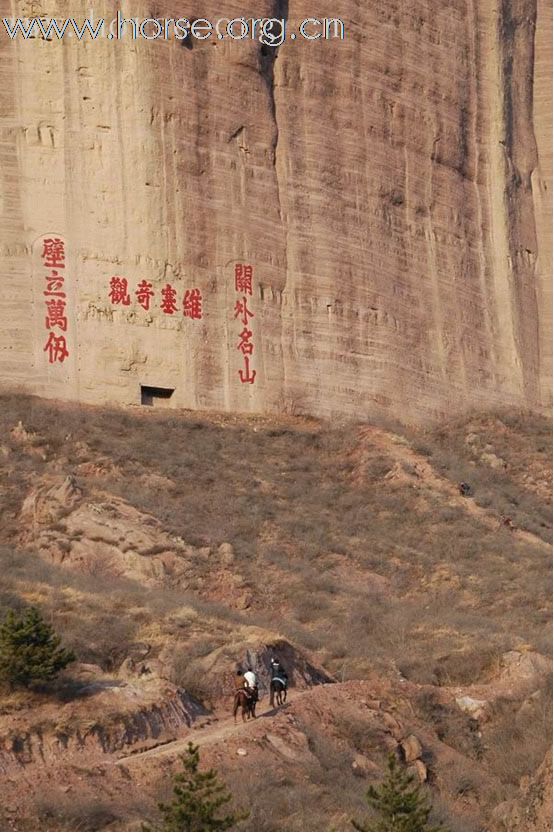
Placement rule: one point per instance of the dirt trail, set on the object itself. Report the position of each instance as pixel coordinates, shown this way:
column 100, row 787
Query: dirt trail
column 372, row 439
column 206, row 735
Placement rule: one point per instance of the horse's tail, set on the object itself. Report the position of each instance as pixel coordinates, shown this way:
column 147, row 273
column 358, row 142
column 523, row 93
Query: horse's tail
column 271, row 694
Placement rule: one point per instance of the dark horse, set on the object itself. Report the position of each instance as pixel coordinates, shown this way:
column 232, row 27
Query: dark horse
column 277, row 691
column 246, row 702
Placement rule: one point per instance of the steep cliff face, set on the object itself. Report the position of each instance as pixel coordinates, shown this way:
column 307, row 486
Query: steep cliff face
column 389, row 190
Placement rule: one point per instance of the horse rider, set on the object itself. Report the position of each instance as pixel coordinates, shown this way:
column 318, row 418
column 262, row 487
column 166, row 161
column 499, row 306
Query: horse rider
column 239, row 678
column 277, row 672
column 250, row 681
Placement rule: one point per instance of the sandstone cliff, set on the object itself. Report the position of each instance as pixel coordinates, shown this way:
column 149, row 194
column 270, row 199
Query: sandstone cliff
column 390, row 191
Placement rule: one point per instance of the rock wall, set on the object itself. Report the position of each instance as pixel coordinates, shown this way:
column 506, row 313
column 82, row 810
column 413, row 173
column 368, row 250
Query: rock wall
column 70, row 735
column 390, row 191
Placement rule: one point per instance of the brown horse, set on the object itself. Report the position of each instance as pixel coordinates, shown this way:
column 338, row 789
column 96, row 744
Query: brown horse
column 246, row 702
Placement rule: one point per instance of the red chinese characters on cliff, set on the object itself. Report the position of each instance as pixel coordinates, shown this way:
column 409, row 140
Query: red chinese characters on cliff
column 119, row 291
column 170, row 302
column 55, row 299
column 243, row 278
column 242, row 312
column 192, row 304
column 144, row 293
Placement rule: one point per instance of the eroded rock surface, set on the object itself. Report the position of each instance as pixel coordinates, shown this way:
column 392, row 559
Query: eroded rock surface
column 390, row 190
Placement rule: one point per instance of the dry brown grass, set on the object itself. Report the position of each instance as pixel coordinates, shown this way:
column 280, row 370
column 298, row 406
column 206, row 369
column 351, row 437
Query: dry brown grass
column 283, row 495
column 289, row 497
column 519, row 737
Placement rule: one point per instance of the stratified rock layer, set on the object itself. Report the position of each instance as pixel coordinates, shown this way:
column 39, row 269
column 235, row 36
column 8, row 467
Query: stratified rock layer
column 390, row 191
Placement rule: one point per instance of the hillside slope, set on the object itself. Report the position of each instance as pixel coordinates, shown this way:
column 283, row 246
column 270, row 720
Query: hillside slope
column 166, row 549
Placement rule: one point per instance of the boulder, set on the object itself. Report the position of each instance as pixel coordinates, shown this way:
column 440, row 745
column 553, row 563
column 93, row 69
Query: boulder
column 390, row 744
column 243, row 601
column 411, row 748
column 418, row 770
column 226, row 554
column 362, row 766
column 394, row 727
column 492, row 460
column 475, row 708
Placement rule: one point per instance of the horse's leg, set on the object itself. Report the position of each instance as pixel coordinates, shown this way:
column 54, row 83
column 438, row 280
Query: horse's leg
column 271, row 695
column 235, row 708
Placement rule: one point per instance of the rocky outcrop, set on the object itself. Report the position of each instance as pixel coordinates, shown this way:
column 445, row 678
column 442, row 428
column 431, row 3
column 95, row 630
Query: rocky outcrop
column 336, row 736
column 109, row 731
column 107, row 536
column 411, row 747
column 390, row 191
column 50, row 502
column 251, row 648
column 104, row 536
column 532, row 810
column 302, row 672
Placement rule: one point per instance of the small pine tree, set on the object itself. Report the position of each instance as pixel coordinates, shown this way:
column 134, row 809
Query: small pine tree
column 198, row 798
column 30, row 649
column 397, row 803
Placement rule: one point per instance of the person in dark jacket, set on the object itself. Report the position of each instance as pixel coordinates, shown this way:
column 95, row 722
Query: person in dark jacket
column 276, row 670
